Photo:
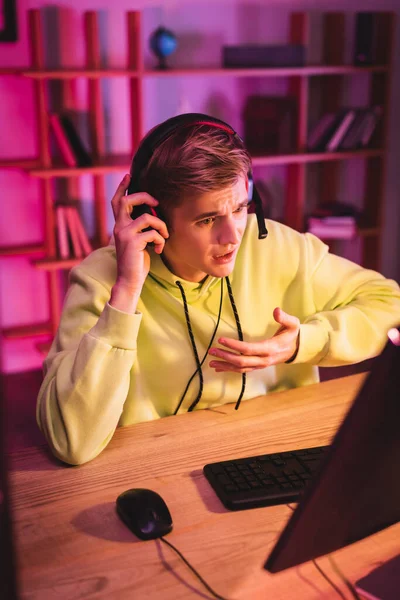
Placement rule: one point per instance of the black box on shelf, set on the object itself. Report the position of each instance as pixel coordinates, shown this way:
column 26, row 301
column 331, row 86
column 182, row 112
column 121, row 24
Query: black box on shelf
column 257, row 55
column 365, row 39
column 270, row 124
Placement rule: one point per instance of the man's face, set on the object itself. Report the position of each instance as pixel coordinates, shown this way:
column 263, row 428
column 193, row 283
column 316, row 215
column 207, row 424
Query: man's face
column 205, row 234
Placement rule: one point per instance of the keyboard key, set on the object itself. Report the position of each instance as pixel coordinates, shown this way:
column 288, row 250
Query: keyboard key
column 217, row 469
column 255, row 484
column 244, row 486
column 231, row 469
column 224, row 479
column 231, row 488
column 286, row 486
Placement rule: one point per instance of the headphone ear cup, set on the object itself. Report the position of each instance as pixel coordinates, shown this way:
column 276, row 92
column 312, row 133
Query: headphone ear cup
column 133, row 187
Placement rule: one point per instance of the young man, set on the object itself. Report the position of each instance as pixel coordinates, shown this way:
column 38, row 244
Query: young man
column 152, row 324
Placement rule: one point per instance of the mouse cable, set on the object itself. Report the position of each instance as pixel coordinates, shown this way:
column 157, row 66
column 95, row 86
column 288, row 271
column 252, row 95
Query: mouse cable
column 325, row 576
column 322, row 572
column 348, row 583
column 199, row 577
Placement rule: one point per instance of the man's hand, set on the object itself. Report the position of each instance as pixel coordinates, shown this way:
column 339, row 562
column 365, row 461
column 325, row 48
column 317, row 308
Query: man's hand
column 243, row 357
column 131, row 239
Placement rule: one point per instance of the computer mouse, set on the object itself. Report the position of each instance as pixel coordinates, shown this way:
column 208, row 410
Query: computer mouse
column 145, row 513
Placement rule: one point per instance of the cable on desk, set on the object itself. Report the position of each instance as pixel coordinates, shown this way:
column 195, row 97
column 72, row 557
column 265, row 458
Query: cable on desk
column 348, row 583
column 199, row 577
column 325, row 576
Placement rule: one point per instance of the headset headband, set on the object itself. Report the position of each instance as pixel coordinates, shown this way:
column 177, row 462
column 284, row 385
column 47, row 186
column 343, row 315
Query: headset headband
column 162, row 132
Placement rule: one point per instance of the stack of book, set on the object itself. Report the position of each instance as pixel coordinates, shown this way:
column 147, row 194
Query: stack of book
column 328, row 228
column 334, row 220
column 71, row 235
column 68, row 141
column 347, row 129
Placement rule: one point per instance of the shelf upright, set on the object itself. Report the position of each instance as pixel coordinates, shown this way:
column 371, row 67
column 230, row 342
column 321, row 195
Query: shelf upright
column 37, row 61
column 298, row 87
column 96, row 120
column 331, row 96
column 135, row 64
column 376, row 171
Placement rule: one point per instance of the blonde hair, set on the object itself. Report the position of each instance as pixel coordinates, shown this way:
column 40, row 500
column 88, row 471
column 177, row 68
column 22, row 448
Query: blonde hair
column 194, row 160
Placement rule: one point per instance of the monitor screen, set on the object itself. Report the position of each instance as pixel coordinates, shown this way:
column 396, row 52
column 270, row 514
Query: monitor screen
column 357, row 490
column 8, row 578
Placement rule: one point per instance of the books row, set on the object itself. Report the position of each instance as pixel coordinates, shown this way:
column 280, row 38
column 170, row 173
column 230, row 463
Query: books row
column 71, row 235
column 347, row 129
column 70, row 145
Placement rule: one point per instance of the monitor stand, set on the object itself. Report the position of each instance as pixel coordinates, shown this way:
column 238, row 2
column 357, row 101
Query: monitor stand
column 383, row 583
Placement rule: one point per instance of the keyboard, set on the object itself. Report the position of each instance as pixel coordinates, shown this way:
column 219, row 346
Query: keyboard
column 264, row 480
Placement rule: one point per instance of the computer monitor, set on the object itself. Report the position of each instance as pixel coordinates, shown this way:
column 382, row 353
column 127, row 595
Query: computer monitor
column 8, row 572
column 357, row 489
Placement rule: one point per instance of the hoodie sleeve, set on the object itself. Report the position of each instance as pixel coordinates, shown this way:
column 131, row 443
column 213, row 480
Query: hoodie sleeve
column 354, row 309
column 87, row 371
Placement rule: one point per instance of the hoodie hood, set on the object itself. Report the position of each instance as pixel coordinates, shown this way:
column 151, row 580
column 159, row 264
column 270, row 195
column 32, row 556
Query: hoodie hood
column 160, row 273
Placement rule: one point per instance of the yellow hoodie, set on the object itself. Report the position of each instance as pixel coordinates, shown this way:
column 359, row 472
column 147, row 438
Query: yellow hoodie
column 107, row 368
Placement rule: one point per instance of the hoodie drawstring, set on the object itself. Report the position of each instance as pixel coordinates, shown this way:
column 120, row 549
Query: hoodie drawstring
column 196, row 355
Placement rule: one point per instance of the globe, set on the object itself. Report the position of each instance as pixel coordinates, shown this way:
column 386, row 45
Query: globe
column 163, row 43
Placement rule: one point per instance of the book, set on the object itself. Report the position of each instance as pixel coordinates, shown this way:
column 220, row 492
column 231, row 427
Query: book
column 352, row 137
column 339, row 232
column 82, row 236
column 341, row 130
column 336, row 221
column 62, row 140
column 71, row 234
column 76, row 246
column 62, row 234
column 322, row 137
column 370, row 127
column 82, row 156
column 320, row 130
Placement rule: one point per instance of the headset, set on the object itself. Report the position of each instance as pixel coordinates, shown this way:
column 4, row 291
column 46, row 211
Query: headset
column 162, row 132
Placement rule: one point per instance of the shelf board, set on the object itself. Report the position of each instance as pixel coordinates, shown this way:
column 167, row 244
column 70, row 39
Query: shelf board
column 310, row 157
column 23, row 250
column 55, row 264
column 122, row 163
column 20, row 163
column 25, row 331
column 74, row 73
column 109, row 164
column 306, row 71
column 11, row 71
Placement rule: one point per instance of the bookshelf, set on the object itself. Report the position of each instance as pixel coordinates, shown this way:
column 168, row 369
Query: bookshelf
column 330, row 77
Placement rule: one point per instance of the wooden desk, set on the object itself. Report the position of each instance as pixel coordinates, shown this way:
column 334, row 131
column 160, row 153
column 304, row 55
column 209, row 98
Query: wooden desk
column 72, row 545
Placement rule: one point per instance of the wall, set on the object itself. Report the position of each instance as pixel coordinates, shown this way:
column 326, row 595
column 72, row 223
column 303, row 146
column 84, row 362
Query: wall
column 23, row 297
